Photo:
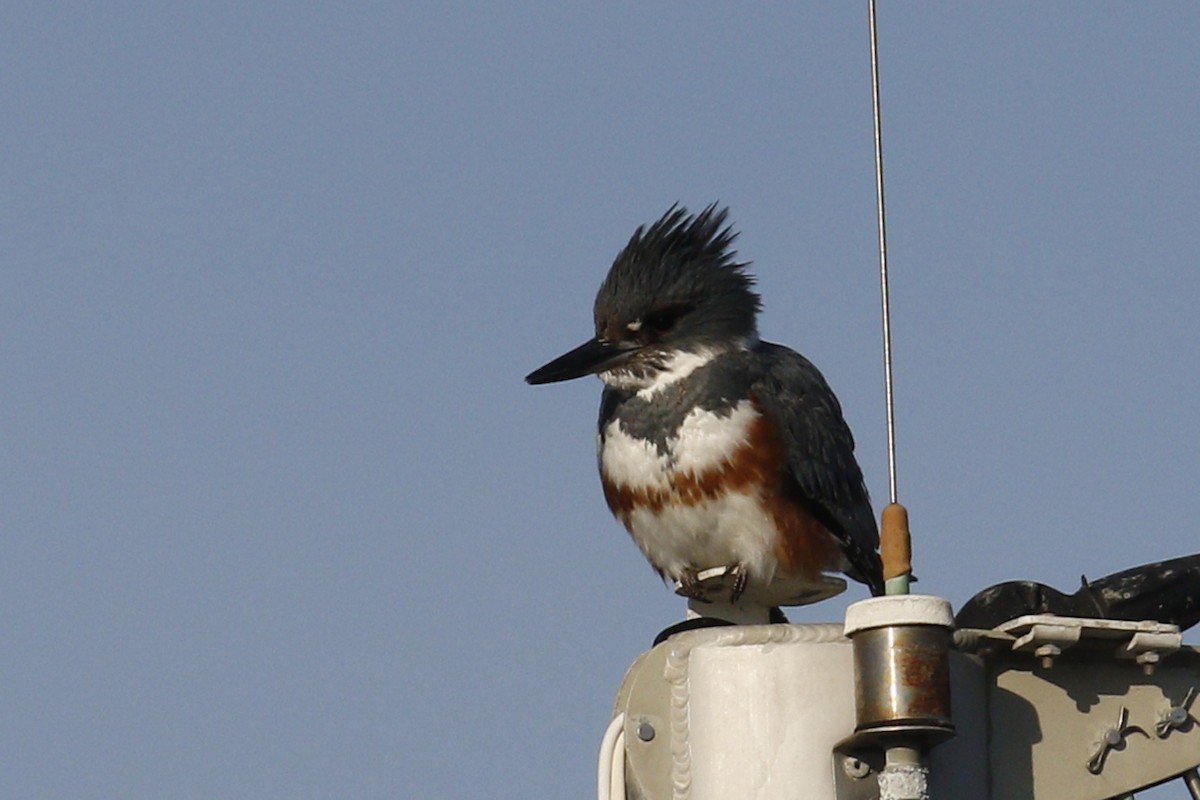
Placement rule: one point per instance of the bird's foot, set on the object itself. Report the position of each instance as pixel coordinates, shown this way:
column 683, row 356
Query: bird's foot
column 697, row 583
column 690, row 585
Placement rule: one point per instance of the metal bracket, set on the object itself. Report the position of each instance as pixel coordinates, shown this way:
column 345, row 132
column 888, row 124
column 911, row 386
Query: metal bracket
column 1047, row 636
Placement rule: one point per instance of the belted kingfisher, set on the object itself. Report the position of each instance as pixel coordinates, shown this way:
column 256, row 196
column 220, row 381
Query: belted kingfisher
column 716, row 449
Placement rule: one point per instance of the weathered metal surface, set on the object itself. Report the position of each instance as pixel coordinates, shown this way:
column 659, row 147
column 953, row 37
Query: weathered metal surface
column 902, row 678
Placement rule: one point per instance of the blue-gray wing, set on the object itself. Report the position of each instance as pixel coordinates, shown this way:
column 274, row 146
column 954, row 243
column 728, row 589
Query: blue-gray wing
column 821, row 459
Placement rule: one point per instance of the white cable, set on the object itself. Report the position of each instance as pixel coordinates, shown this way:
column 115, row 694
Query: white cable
column 618, row 767
column 605, row 780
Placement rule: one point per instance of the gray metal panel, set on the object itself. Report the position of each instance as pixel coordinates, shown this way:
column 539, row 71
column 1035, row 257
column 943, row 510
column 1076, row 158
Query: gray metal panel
column 1049, row 725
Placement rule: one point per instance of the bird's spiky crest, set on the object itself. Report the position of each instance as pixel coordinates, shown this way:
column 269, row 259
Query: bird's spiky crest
column 682, row 260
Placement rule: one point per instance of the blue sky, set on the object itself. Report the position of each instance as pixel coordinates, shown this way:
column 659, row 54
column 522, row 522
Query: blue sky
column 281, row 518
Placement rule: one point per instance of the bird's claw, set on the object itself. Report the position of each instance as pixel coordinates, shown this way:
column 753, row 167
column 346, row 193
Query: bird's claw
column 740, row 577
column 690, row 585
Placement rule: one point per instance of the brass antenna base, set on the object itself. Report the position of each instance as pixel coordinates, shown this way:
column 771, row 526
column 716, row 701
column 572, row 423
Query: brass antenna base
column 895, row 542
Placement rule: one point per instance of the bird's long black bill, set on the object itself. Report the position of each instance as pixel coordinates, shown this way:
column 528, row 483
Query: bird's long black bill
column 595, row 355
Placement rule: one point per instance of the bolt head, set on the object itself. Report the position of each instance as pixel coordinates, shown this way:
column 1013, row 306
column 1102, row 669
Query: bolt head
column 1047, row 653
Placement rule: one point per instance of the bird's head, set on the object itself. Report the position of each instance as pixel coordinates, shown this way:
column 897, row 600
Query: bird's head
column 674, row 298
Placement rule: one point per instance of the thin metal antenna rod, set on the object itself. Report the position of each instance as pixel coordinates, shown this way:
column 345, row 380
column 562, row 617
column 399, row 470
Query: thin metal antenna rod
column 883, row 263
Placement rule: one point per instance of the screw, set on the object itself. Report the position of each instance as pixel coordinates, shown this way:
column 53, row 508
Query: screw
column 855, row 768
column 645, row 731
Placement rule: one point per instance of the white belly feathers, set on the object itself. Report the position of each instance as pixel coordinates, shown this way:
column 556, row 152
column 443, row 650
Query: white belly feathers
column 723, row 530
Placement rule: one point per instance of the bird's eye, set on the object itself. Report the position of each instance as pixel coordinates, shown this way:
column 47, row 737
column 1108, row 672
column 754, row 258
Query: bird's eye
column 663, row 320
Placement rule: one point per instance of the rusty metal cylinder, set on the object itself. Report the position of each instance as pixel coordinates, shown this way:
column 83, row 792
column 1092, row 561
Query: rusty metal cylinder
column 902, row 666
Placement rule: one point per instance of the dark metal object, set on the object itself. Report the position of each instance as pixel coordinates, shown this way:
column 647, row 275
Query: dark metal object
column 902, row 681
column 1191, row 779
column 696, row 623
column 1165, row 591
